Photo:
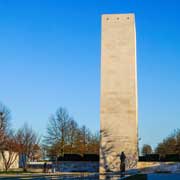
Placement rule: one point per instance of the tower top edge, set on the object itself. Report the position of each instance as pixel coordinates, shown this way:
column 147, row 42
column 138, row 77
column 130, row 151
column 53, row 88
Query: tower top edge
column 113, row 18
column 120, row 15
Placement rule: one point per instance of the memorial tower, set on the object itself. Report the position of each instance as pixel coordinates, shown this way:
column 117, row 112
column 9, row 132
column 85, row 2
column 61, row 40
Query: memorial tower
column 118, row 115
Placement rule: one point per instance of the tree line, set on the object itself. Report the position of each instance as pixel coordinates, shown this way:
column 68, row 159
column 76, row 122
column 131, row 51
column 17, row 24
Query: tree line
column 63, row 136
column 169, row 145
column 23, row 142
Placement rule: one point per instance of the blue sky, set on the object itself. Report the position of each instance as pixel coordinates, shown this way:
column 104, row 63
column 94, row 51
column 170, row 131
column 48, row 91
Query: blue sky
column 50, row 57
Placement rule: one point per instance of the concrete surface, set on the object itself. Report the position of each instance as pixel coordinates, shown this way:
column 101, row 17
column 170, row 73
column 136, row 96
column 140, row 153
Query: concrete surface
column 118, row 92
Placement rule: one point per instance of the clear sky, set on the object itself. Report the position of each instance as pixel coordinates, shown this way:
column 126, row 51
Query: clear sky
column 50, row 57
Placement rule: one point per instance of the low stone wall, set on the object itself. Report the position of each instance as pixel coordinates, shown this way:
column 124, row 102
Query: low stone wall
column 151, row 167
column 67, row 166
column 141, row 165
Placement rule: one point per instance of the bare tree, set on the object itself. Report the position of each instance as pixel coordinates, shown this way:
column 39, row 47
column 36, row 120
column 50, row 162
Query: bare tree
column 36, row 154
column 161, row 149
column 10, row 152
column 94, row 144
column 57, row 131
column 85, row 137
column 71, row 135
column 177, row 141
column 4, row 124
column 170, row 145
column 27, row 140
column 79, row 144
column 8, row 145
column 146, row 149
column 65, row 136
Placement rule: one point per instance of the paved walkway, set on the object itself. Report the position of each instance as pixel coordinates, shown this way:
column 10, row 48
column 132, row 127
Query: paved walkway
column 67, row 176
column 58, row 176
column 164, row 177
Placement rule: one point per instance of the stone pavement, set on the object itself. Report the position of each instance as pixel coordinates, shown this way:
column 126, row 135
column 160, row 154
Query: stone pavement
column 64, row 176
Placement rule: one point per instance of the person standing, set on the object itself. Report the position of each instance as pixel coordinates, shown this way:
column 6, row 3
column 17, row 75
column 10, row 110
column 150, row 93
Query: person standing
column 45, row 167
column 123, row 163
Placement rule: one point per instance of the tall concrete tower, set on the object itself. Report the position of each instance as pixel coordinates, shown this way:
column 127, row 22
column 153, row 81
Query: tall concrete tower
column 118, row 92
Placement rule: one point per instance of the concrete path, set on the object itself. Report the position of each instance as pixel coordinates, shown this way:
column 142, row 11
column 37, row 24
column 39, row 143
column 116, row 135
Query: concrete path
column 163, row 177
column 40, row 176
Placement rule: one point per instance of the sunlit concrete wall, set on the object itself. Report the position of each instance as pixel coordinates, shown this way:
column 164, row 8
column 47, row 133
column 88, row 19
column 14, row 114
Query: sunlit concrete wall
column 118, row 92
column 15, row 161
